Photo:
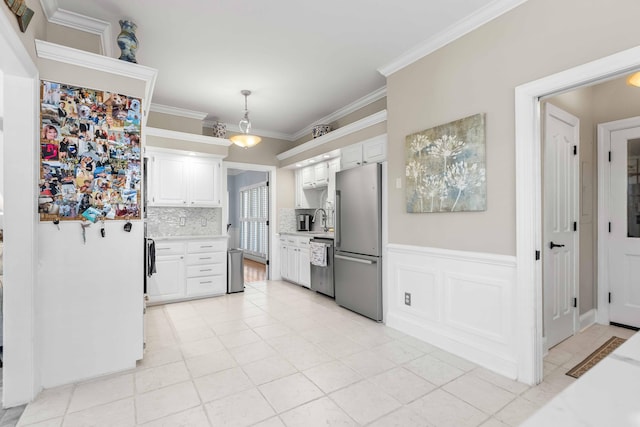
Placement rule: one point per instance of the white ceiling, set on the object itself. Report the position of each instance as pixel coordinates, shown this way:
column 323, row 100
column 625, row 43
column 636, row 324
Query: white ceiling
column 302, row 60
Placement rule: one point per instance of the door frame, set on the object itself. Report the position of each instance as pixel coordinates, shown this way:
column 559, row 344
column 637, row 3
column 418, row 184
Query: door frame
column 604, row 182
column 273, row 269
column 551, row 109
column 529, row 307
column 21, row 377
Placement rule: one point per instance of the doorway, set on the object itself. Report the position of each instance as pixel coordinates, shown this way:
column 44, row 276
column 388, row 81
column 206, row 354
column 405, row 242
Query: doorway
column 529, row 197
column 619, row 235
column 248, row 216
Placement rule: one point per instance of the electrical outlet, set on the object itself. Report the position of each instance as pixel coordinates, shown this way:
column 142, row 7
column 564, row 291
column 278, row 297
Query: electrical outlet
column 203, row 222
column 398, row 183
column 183, row 221
column 407, row 298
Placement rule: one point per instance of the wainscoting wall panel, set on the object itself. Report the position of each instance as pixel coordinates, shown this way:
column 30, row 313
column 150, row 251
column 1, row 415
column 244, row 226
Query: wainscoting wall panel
column 463, row 302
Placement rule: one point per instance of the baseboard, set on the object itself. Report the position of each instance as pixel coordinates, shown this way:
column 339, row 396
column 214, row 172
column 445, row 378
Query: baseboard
column 587, row 319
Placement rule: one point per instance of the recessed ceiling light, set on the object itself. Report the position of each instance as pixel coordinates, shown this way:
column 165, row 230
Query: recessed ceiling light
column 311, row 161
column 326, row 156
column 298, row 164
column 191, row 153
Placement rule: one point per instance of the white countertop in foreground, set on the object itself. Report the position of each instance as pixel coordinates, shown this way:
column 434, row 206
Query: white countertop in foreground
column 606, row 395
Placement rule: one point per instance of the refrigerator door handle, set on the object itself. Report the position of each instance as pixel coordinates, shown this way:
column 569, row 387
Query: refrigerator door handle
column 360, row 260
column 338, row 225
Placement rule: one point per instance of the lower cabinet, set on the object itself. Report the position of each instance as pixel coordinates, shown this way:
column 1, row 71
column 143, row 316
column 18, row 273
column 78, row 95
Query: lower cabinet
column 294, row 260
column 166, row 283
column 188, row 269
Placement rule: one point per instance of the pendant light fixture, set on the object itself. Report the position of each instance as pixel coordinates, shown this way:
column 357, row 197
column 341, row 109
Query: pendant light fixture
column 245, row 139
column 634, row 79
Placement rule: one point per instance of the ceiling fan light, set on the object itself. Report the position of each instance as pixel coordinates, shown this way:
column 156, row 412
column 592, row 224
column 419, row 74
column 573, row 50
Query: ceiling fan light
column 634, row 79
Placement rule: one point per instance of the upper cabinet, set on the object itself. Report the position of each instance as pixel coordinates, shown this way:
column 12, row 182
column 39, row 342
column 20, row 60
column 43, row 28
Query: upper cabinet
column 373, row 150
column 181, row 180
column 315, row 176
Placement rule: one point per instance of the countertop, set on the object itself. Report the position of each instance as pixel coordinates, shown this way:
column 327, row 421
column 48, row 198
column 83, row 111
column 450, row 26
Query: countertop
column 311, row 234
column 606, row 395
column 211, row 236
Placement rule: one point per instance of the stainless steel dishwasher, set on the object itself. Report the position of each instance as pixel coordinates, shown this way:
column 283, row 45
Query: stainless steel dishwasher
column 322, row 275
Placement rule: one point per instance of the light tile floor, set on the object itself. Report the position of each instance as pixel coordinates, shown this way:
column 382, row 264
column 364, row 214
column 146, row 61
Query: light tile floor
column 281, row 355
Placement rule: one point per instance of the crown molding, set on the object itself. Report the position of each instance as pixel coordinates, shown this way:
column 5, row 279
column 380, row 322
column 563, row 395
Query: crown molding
column 342, row 112
column 259, row 132
column 364, row 123
column 102, row 29
column 184, row 136
column 175, row 111
column 454, row 32
column 93, row 61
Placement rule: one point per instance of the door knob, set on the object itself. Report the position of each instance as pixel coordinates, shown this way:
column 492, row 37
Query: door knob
column 553, row 245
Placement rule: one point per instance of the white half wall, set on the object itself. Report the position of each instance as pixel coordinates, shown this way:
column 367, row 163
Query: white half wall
column 92, row 321
column 462, row 302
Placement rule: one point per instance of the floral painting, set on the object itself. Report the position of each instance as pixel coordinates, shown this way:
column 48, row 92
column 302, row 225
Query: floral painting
column 445, row 167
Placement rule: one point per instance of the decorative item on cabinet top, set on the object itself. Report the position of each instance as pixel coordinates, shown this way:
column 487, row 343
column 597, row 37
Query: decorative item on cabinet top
column 22, row 12
column 127, row 41
column 319, row 130
column 219, row 130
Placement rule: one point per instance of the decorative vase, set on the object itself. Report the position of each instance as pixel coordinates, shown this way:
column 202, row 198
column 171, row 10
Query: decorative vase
column 127, row 41
column 220, row 130
column 319, row 130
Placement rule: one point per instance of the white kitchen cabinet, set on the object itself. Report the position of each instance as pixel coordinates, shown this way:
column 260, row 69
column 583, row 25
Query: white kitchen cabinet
column 187, row 269
column 308, row 177
column 295, row 265
column 180, row 180
column 167, row 284
column 334, row 167
column 373, row 150
column 321, row 174
column 204, row 181
column 167, row 180
column 305, row 198
column 315, row 176
column 284, row 257
column 304, row 262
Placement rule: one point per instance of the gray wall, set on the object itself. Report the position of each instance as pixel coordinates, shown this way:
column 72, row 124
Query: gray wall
column 478, row 73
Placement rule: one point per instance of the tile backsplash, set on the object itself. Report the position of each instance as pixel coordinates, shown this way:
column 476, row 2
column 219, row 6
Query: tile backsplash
column 286, row 220
column 165, row 222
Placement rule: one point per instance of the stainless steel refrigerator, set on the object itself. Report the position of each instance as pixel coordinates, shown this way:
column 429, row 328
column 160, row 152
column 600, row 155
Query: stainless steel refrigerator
column 358, row 240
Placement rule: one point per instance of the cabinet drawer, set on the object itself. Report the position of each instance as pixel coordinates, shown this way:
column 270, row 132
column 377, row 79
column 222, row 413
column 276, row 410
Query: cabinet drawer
column 303, row 242
column 206, row 246
column 292, row 241
column 207, row 258
column 206, row 270
column 209, row 285
column 169, row 248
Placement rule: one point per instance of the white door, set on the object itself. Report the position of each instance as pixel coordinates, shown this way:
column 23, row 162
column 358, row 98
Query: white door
column 560, row 237
column 624, row 238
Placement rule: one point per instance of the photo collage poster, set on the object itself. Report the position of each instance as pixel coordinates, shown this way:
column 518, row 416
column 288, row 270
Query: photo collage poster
column 89, row 154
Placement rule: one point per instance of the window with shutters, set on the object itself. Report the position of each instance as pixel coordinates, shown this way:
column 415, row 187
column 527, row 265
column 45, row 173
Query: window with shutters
column 254, row 211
